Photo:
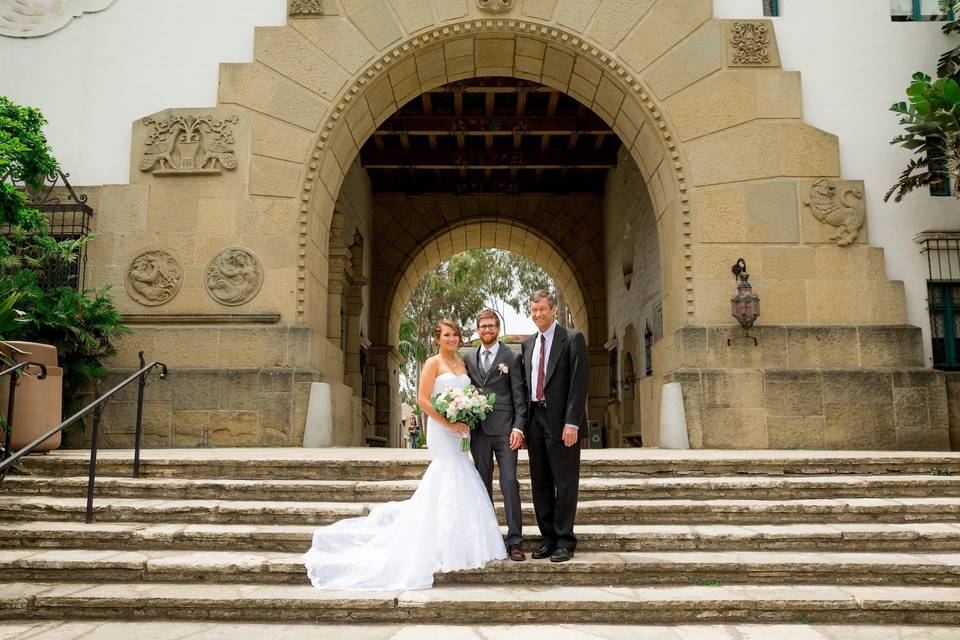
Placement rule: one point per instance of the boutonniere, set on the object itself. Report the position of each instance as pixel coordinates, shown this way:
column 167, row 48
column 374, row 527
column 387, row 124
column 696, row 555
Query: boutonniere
column 503, row 368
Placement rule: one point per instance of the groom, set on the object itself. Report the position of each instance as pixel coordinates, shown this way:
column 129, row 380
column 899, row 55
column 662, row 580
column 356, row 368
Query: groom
column 494, row 368
column 556, row 368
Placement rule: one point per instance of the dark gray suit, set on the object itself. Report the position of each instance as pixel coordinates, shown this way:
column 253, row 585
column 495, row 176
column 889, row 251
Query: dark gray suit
column 554, row 467
column 492, row 437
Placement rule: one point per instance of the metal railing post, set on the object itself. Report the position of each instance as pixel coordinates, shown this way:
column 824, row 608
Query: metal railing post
column 92, row 473
column 136, row 447
column 8, row 437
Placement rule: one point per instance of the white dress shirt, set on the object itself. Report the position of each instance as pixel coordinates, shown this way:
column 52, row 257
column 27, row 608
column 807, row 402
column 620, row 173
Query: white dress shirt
column 547, row 336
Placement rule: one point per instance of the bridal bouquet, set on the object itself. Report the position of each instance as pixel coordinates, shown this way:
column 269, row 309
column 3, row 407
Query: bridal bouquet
column 466, row 405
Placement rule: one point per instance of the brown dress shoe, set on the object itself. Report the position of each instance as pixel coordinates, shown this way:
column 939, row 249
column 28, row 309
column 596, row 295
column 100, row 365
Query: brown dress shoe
column 516, row 553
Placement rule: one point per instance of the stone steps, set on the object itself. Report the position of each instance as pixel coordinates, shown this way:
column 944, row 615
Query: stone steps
column 839, row 537
column 696, row 488
column 486, row 604
column 396, row 464
column 199, row 630
column 586, row 569
column 885, row 510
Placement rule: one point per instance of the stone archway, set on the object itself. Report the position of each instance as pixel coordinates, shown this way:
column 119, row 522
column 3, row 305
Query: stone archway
column 703, row 108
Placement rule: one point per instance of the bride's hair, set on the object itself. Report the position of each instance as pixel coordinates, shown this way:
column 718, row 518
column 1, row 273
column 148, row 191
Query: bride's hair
column 448, row 323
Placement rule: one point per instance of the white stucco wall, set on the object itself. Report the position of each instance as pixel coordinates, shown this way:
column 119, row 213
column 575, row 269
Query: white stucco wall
column 855, row 62
column 101, row 72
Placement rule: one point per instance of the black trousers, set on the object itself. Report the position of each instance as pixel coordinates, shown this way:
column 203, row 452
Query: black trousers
column 555, row 478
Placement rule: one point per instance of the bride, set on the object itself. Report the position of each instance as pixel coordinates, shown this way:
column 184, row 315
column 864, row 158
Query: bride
column 448, row 525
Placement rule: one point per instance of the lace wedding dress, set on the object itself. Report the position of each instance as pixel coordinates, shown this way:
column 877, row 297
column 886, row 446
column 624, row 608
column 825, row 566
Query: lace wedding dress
column 448, row 525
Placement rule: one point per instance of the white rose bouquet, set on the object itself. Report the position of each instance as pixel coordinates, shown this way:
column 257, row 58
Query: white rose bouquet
column 466, row 405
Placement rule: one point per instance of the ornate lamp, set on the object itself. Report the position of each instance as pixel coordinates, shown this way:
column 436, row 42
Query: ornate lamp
column 745, row 306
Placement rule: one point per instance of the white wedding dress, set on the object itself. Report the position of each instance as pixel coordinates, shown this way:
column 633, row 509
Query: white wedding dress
column 448, row 525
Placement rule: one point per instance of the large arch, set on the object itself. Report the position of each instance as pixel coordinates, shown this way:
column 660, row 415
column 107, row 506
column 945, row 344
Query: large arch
column 703, row 108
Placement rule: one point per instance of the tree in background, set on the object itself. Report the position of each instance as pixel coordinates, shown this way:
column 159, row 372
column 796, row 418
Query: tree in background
column 932, row 121
column 83, row 325
column 460, row 288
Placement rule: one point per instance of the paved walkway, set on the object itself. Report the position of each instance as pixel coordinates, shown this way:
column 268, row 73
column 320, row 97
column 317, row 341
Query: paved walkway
column 232, row 631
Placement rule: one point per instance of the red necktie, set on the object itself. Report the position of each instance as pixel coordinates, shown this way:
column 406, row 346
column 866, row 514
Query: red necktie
column 540, row 366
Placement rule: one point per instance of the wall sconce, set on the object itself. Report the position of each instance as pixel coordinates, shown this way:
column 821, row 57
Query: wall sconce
column 745, row 306
column 627, row 383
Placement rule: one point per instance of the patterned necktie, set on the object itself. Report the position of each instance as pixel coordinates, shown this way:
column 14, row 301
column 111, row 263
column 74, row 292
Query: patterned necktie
column 485, row 365
column 540, row 366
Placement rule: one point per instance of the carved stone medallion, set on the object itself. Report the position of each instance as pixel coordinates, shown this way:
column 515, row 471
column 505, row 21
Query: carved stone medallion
column 495, row 6
column 233, row 276
column 153, row 278
column 35, row 18
column 839, row 206
column 305, row 8
column 751, row 43
column 188, row 144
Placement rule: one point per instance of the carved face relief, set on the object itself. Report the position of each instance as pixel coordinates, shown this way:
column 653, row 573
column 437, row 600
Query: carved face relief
column 35, row 18
column 233, row 276
column 153, row 278
column 751, row 41
column 495, row 6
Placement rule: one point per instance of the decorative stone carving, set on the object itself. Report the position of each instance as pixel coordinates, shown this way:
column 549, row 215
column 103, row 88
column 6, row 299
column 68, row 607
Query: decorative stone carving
column 495, row 6
column 233, row 276
column 751, row 42
column 153, row 278
column 305, row 8
column 35, row 18
column 187, row 144
column 842, row 208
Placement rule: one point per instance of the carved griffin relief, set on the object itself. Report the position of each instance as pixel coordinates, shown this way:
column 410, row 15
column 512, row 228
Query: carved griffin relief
column 35, row 18
column 233, row 276
column 153, row 278
column 751, row 42
column 495, row 6
column 840, row 208
column 187, row 144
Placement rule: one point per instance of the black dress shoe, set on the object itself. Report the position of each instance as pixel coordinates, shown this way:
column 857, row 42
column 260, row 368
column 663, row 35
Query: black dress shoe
column 516, row 553
column 545, row 551
column 561, row 555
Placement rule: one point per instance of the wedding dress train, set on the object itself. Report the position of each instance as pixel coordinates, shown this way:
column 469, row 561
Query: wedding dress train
column 447, row 525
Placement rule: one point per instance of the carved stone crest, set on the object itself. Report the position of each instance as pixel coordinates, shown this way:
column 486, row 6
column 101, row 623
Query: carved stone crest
column 751, row 43
column 305, row 8
column 188, row 144
column 153, row 278
column 495, row 6
column 838, row 207
column 233, row 276
column 35, row 18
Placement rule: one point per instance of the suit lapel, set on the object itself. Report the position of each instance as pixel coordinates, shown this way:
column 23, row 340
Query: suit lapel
column 470, row 360
column 497, row 359
column 528, row 358
column 559, row 342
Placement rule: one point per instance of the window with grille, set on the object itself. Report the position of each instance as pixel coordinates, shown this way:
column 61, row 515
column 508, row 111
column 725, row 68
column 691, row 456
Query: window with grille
column 771, row 8
column 917, row 11
column 944, row 300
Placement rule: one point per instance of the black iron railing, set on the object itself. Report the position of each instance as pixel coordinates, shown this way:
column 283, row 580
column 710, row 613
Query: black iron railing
column 97, row 408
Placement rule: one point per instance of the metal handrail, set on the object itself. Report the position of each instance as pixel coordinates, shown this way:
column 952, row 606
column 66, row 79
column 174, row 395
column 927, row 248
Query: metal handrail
column 14, row 373
column 96, row 406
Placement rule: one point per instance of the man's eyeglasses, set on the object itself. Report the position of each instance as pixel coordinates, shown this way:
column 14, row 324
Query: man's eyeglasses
column 488, row 326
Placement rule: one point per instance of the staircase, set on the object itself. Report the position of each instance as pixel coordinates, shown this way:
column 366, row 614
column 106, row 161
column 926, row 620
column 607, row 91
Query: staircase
column 666, row 538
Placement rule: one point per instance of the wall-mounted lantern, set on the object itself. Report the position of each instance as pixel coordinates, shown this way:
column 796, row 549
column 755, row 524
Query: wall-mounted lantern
column 745, row 306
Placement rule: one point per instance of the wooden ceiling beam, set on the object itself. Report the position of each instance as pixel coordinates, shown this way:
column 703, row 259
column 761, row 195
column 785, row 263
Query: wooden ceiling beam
column 482, row 160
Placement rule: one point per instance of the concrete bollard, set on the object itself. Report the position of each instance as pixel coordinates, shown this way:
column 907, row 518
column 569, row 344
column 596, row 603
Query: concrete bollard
column 673, row 420
column 318, row 431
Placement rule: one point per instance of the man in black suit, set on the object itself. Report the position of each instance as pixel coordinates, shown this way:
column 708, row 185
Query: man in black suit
column 556, row 371
column 494, row 368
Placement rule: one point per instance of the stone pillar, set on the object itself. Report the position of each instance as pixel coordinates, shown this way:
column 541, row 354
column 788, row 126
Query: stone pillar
column 386, row 361
column 599, row 393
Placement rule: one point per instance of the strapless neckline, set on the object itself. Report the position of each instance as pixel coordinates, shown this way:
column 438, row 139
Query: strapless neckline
column 455, row 375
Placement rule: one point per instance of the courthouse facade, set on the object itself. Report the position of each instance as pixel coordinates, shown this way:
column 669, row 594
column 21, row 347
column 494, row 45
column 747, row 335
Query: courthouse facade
column 295, row 168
